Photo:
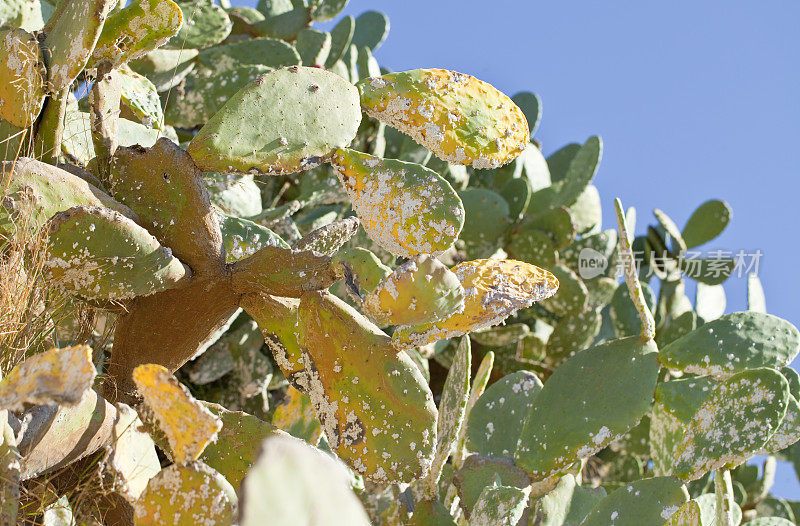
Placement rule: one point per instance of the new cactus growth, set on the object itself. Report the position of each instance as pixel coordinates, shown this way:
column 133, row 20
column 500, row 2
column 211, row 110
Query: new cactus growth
column 288, row 261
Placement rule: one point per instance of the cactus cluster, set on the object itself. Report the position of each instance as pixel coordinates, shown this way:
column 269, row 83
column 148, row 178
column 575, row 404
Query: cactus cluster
column 327, row 293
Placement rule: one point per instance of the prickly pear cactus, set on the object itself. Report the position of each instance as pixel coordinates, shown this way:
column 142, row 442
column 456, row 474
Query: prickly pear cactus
column 268, row 267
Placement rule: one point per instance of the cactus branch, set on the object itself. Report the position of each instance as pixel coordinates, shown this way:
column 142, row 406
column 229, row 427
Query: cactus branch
column 631, row 275
column 104, row 99
column 51, row 127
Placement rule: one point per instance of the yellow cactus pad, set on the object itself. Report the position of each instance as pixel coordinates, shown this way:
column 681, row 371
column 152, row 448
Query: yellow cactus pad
column 405, row 208
column 277, row 319
column 21, row 68
column 494, row 289
column 57, row 376
column 459, row 118
column 188, row 425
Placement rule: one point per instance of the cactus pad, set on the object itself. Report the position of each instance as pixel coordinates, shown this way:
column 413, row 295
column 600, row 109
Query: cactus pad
column 646, row 501
column 243, row 238
column 494, row 289
column 277, row 319
column 706, row 223
column 296, row 416
column 374, row 405
column 139, row 98
column 501, row 505
column 418, row 291
column 136, row 29
column 568, row 503
column 132, row 458
column 733, row 343
column 294, row 483
column 735, row 421
column 255, row 131
column 57, row 376
column 457, row 117
column 283, row 272
column 22, row 66
column 188, row 425
column 186, row 495
column 98, row 253
column 496, row 420
column 329, row 239
column 601, row 392
column 406, row 208
column 361, row 267
column 204, row 24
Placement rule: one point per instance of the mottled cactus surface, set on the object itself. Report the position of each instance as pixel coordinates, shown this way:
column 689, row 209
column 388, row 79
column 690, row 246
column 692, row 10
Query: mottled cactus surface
column 305, row 289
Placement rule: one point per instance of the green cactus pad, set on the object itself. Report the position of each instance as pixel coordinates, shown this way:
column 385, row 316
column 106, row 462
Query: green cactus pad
column 236, row 195
column 478, row 472
column 361, row 267
column 587, row 211
column 252, row 52
column 57, row 376
column 341, row 36
column 254, row 131
column 569, row 503
column 98, row 253
column 788, row 432
column 372, row 28
column 294, row 483
column 574, row 332
column 501, row 505
column 687, row 515
column 72, row 33
column 557, row 222
column 531, row 106
column 646, row 501
column 243, row 238
column 324, row 10
column 708, row 508
column 77, row 139
column 283, row 272
column 430, row 513
column 204, row 24
column 456, row 116
column 601, row 245
column 405, row 208
column 136, row 29
column 572, row 295
column 238, row 443
column 496, row 421
column 624, row 313
column 495, row 289
column 36, row 191
column 604, row 391
column 735, row 421
column 706, row 223
column 283, row 19
column 374, row 405
column 329, row 239
column 534, row 247
column 22, row 70
column 733, row 343
column 313, row 46
column 581, row 170
column 418, row 291
column 164, row 187
column 711, row 271
column 139, row 98
column 187, row 495
column 488, row 216
column 277, row 319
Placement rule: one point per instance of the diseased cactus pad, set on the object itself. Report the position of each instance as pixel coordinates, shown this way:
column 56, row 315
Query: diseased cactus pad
column 494, row 289
column 406, row 208
column 733, row 423
column 420, row 290
column 257, row 131
column 97, row 253
column 647, row 501
column 374, row 405
column 188, row 495
column 21, row 68
column 457, row 117
column 189, row 426
column 57, row 376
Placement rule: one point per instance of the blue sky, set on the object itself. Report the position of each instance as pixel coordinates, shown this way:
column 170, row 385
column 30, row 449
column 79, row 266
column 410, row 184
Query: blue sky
column 694, row 100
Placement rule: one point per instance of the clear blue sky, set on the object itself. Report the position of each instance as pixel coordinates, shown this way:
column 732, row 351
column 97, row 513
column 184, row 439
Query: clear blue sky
column 694, row 100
